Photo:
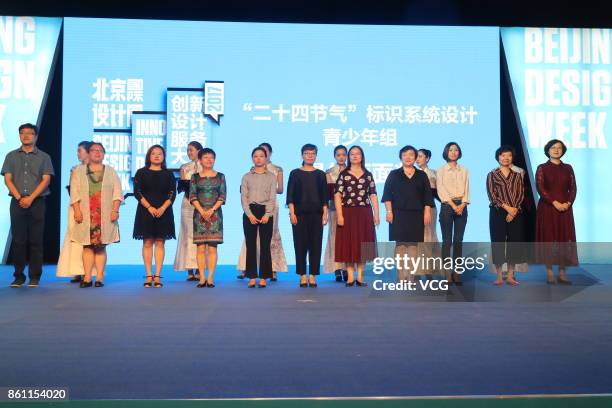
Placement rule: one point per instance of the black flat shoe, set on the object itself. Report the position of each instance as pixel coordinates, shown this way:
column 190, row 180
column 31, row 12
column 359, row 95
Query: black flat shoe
column 201, row 285
column 99, row 284
column 361, row 283
column 348, row 284
column 312, row 284
column 86, row 284
column 240, row 277
column 191, row 278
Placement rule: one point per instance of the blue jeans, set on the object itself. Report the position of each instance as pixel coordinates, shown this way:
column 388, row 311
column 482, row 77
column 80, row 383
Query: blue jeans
column 453, row 227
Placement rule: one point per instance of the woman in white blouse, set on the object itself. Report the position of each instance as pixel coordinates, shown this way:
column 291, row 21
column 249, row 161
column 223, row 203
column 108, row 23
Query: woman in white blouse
column 454, row 191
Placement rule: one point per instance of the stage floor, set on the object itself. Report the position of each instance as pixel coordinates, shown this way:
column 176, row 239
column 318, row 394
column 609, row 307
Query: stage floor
column 126, row 342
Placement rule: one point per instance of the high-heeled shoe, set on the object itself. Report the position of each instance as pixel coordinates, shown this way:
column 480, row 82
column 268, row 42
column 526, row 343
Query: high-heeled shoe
column 156, row 282
column 85, row 284
column 201, row 285
column 362, row 284
column 349, row 284
column 99, row 284
column 210, row 285
column 149, row 282
column 251, row 284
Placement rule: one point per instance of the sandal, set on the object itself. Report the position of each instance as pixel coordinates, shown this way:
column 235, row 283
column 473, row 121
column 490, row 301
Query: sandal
column 512, row 282
column 251, row 283
column 201, row 285
column 156, row 282
column 210, row 285
column 149, row 282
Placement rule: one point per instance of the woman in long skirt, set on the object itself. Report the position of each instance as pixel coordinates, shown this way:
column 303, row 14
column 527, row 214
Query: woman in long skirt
column 329, row 261
column 70, row 262
column 357, row 207
column 186, row 250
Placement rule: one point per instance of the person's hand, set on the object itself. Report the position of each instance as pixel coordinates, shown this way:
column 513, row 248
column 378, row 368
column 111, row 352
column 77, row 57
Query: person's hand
column 160, row 211
column 509, row 217
column 376, row 219
column 207, row 214
column 389, row 217
column 114, row 216
column 293, row 219
column 558, row 206
column 340, row 221
column 459, row 209
column 253, row 219
column 265, row 219
column 427, row 218
column 566, row 206
column 78, row 216
column 512, row 211
column 153, row 211
column 25, row 202
column 202, row 213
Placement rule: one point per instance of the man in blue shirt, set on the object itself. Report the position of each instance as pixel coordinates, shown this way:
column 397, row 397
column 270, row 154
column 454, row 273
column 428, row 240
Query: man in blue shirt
column 27, row 172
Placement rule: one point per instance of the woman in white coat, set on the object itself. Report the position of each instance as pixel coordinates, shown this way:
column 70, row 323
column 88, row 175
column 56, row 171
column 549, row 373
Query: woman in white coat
column 95, row 195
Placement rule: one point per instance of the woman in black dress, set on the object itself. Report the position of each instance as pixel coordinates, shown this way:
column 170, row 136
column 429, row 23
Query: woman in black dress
column 408, row 199
column 155, row 190
column 307, row 202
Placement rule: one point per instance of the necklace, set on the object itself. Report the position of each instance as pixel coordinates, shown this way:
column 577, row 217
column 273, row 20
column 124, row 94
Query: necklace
column 91, row 175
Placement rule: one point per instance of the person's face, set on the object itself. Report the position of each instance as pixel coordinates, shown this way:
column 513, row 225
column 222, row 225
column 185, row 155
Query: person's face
column 422, row 160
column 340, row 157
column 82, row 154
column 309, row 157
column 355, row 156
column 505, row 159
column 96, row 154
column 28, row 137
column 259, row 158
column 207, row 161
column 408, row 158
column 192, row 152
column 157, row 156
column 556, row 151
column 453, row 153
column 268, row 152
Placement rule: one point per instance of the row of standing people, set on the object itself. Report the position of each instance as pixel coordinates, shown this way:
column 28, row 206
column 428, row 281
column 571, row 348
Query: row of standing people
column 96, row 197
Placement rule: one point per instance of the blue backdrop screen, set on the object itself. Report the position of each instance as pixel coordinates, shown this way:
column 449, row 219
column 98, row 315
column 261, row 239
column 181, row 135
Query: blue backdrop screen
column 234, row 85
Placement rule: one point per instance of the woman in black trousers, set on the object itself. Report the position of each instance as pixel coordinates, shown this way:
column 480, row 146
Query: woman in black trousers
column 307, row 202
column 506, row 193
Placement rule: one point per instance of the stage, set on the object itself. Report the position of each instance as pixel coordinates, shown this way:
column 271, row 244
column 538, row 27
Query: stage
column 180, row 342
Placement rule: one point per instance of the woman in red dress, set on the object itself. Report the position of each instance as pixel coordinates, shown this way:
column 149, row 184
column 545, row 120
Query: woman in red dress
column 555, row 231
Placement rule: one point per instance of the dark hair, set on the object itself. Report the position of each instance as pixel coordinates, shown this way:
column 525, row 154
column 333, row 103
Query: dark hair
column 340, row 147
column 92, row 144
column 195, row 144
column 28, row 126
column 406, row 148
column 551, row 143
column 447, row 148
column 504, row 149
column 426, row 152
column 259, row 148
column 267, row 146
column 206, row 150
column 348, row 167
column 308, row 147
column 85, row 145
column 148, row 158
